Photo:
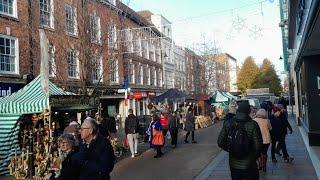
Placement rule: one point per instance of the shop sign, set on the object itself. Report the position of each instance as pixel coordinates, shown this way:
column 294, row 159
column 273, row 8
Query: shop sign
column 137, row 95
column 6, row 89
column 151, row 94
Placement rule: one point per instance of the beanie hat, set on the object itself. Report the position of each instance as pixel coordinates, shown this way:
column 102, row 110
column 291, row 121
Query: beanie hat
column 276, row 109
column 244, row 107
column 261, row 113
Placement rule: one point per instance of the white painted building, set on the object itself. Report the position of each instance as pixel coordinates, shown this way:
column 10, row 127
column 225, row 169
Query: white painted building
column 165, row 27
column 180, row 64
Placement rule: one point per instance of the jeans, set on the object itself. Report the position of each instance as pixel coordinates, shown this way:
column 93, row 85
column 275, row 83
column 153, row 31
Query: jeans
column 192, row 135
column 133, row 143
column 174, row 136
column 265, row 148
column 247, row 174
column 281, row 145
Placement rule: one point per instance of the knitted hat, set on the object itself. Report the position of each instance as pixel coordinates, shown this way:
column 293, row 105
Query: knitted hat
column 244, row 107
column 261, row 113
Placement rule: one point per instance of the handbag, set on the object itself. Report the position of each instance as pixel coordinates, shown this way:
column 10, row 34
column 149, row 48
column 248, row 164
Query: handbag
column 158, row 138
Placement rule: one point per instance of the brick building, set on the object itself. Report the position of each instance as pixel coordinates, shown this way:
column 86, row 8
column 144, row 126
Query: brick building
column 95, row 47
column 226, row 72
column 195, row 73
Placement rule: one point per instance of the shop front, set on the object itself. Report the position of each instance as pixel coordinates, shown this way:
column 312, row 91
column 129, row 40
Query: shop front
column 303, row 35
column 6, row 89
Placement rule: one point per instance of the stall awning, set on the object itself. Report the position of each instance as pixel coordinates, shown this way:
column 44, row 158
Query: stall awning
column 29, row 99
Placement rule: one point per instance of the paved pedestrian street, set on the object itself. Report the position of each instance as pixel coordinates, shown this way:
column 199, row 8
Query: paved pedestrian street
column 184, row 162
column 300, row 168
column 205, row 160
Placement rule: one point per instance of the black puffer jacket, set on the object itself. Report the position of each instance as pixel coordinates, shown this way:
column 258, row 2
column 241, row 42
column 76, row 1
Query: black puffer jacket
column 254, row 136
column 131, row 124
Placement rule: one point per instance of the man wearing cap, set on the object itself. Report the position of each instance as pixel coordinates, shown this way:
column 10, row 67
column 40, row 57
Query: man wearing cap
column 245, row 167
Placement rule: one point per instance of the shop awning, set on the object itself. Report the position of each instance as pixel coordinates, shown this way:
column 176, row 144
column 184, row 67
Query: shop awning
column 78, row 108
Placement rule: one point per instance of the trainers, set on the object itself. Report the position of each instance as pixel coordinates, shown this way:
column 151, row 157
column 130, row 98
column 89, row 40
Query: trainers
column 194, row 142
column 288, row 160
column 132, row 156
column 186, row 141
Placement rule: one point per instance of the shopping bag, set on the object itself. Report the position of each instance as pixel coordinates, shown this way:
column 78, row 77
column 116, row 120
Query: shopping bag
column 168, row 136
column 158, row 138
column 125, row 142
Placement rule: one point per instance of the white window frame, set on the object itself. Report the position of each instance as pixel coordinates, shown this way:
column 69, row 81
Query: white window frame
column 16, row 54
column 149, row 76
column 75, row 63
column 114, row 70
column 112, row 35
column 51, row 62
column 50, row 11
column 14, row 9
column 128, row 39
column 141, row 72
column 71, row 21
column 97, row 70
column 131, row 71
column 95, row 29
column 155, row 77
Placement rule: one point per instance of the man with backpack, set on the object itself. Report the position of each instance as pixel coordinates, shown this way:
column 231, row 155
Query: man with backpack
column 241, row 137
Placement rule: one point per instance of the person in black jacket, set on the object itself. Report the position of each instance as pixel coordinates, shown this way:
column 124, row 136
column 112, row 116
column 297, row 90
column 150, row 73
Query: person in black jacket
column 95, row 159
column 69, row 169
column 173, row 128
column 131, row 128
column 280, row 124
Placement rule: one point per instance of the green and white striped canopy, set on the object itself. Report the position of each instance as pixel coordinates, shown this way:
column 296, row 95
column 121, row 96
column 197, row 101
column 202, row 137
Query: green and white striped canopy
column 28, row 100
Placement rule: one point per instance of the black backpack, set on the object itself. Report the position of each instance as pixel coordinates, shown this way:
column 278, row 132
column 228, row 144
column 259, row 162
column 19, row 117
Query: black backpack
column 238, row 144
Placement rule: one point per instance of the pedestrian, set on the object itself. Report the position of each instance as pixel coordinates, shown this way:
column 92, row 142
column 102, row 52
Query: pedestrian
column 265, row 127
column 68, row 167
column 73, row 129
column 164, row 123
column 173, row 128
column 232, row 109
column 213, row 113
column 95, row 158
column 131, row 128
column 280, row 124
column 190, row 126
column 156, row 137
column 242, row 164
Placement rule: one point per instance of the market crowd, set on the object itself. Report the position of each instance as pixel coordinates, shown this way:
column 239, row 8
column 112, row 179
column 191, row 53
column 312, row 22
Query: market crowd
column 86, row 151
column 247, row 134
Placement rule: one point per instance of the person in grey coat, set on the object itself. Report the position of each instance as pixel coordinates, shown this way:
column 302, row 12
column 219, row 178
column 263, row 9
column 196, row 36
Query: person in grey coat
column 190, row 126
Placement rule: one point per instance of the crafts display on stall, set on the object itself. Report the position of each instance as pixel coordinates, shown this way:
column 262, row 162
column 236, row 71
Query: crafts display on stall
column 39, row 149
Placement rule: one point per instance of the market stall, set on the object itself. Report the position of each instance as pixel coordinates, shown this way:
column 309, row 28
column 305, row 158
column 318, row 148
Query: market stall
column 17, row 147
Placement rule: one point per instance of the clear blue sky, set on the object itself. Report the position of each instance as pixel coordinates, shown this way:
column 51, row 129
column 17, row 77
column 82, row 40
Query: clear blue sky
column 255, row 34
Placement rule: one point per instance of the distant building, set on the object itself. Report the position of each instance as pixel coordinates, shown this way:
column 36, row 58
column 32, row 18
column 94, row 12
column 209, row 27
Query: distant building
column 164, row 26
column 226, row 72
